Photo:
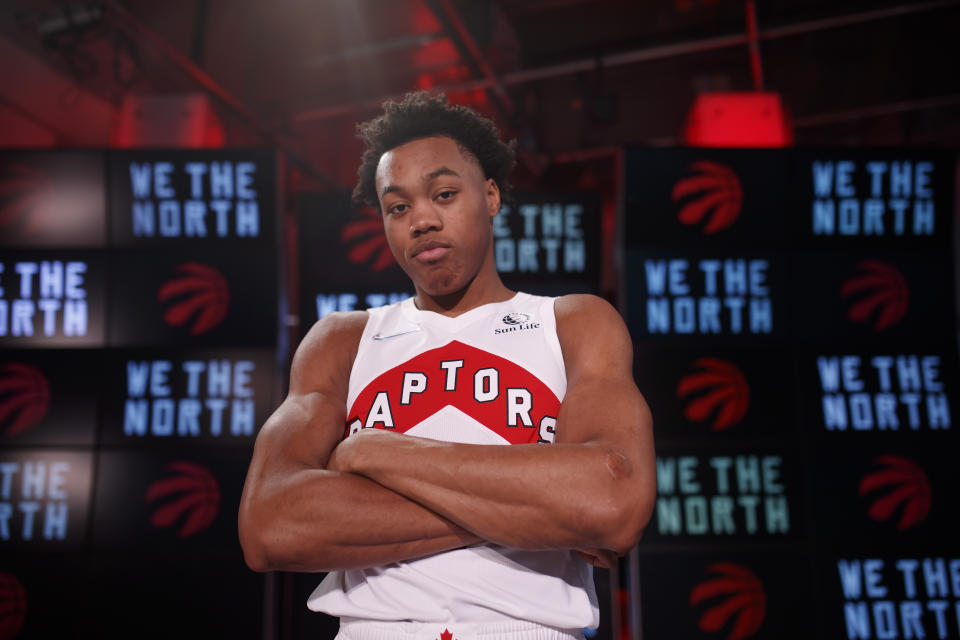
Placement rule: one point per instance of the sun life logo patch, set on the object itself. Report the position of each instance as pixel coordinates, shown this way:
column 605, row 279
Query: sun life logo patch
column 516, row 321
column 515, row 318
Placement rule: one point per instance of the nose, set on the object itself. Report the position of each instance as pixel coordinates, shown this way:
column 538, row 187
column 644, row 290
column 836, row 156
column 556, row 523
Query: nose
column 424, row 218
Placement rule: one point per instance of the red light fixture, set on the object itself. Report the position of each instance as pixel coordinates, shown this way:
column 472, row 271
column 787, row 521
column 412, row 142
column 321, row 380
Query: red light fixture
column 747, row 119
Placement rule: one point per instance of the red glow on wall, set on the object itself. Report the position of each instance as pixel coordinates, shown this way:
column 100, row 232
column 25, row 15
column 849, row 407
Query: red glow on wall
column 185, row 122
column 756, row 119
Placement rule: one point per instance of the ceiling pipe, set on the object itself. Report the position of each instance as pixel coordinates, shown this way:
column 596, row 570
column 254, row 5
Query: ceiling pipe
column 645, row 55
column 449, row 17
column 756, row 64
column 129, row 24
column 372, row 49
column 877, row 111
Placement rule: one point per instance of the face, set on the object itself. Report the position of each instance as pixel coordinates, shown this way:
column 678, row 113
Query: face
column 437, row 209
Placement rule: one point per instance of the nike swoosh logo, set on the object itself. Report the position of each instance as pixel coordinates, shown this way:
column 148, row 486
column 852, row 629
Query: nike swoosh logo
column 394, row 335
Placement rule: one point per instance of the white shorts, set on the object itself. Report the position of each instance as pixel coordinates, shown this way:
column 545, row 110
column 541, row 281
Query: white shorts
column 352, row 629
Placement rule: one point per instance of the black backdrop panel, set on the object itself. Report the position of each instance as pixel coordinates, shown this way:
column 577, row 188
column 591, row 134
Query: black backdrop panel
column 906, row 594
column 194, row 299
column 684, row 298
column 900, row 396
column 44, row 499
column 49, row 398
column 176, row 197
column 168, row 502
column 549, row 240
column 52, row 299
column 869, row 200
column 117, row 595
column 896, row 298
column 204, row 397
column 681, row 198
column 707, row 497
column 344, row 248
column 52, row 199
column 876, row 496
column 726, row 595
column 716, row 394
column 320, row 299
column 815, row 199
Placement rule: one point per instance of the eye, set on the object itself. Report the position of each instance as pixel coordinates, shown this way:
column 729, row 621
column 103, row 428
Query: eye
column 446, row 195
column 397, row 208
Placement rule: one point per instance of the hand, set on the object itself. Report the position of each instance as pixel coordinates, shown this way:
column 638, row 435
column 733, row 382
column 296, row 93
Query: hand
column 603, row 558
column 348, row 455
column 342, row 454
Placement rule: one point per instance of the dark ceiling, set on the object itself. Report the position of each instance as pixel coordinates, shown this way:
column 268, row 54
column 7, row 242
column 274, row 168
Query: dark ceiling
column 560, row 75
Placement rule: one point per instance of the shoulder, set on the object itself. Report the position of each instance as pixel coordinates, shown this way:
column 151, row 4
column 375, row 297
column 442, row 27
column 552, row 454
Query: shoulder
column 580, row 308
column 335, row 327
column 591, row 332
column 327, row 352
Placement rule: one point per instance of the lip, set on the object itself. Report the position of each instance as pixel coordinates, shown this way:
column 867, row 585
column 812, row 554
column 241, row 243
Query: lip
column 430, row 251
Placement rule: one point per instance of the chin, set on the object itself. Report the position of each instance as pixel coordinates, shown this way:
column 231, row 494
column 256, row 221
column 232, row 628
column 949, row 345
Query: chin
column 441, row 284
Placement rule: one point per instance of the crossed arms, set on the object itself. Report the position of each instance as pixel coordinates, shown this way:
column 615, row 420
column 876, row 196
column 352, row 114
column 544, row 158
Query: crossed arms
column 313, row 503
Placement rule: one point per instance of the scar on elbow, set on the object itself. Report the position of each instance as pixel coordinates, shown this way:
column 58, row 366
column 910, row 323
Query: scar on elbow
column 618, row 465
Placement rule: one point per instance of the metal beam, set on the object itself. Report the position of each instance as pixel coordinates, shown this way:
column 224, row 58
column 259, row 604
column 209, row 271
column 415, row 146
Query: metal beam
column 756, row 64
column 449, row 17
column 649, row 53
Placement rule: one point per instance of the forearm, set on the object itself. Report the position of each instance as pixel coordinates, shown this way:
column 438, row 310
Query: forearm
column 524, row 496
column 317, row 520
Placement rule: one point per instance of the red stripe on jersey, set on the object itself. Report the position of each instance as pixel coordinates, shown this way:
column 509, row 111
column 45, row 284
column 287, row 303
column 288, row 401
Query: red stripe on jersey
column 492, row 390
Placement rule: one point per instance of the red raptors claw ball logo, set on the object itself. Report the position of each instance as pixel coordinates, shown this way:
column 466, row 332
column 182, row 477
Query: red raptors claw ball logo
column 715, row 189
column 720, row 387
column 191, row 491
column 735, row 593
column 904, row 483
column 13, row 606
column 24, row 397
column 201, row 293
column 21, row 187
column 367, row 241
column 885, row 293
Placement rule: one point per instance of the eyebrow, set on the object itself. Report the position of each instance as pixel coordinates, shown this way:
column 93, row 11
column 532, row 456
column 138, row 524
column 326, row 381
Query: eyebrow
column 436, row 173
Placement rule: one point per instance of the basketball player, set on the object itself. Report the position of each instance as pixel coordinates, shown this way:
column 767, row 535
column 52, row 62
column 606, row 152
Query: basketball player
column 386, row 464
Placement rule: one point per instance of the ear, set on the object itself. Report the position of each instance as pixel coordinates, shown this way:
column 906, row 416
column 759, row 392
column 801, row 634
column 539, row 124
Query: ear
column 493, row 197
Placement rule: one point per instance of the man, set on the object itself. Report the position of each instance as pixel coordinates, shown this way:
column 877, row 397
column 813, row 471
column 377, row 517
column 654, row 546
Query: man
column 428, row 526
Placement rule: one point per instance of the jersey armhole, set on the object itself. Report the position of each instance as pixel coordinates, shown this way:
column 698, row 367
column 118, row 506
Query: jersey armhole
column 373, row 320
column 549, row 314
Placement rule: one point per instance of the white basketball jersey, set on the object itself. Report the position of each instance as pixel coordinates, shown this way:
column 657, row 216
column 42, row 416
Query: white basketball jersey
column 492, row 375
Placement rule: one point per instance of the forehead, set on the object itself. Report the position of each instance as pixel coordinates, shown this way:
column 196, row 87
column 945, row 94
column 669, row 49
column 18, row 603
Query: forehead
column 416, row 159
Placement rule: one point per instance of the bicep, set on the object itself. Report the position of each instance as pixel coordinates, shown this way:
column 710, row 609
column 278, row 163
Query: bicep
column 309, row 423
column 602, row 402
column 301, row 432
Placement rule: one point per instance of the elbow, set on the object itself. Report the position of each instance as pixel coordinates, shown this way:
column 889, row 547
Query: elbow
column 622, row 517
column 269, row 545
column 255, row 560
column 255, row 556
column 256, row 535
column 251, row 542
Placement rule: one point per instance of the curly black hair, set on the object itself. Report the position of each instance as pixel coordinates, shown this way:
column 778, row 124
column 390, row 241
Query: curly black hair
column 418, row 115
